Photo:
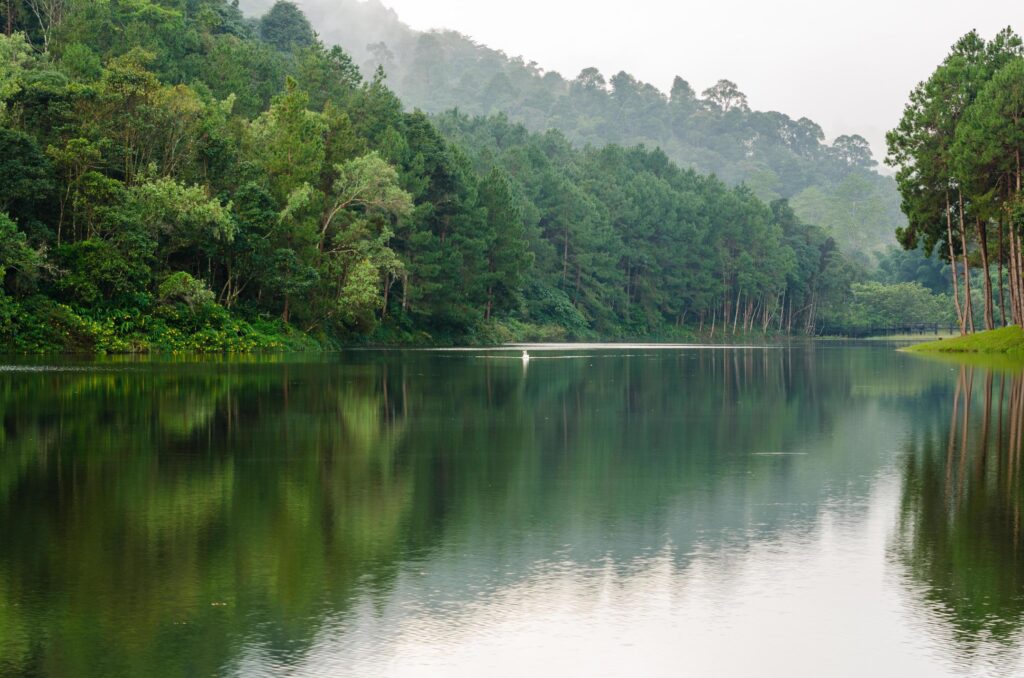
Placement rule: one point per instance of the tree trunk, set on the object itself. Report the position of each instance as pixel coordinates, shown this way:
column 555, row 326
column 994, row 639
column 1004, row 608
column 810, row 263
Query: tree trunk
column 1015, row 277
column 952, row 266
column 736, row 315
column 982, row 230
column 1002, row 300
column 565, row 257
column 1011, row 267
column 968, row 302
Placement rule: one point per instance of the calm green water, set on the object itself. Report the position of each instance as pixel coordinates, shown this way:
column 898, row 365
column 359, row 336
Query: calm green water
column 821, row 510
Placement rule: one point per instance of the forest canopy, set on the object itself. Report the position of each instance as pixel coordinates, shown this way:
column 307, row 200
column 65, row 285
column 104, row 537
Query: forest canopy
column 831, row 182
column 177, row 176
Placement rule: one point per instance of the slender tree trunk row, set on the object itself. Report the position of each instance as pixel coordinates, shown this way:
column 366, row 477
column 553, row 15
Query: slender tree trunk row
column 745, row 313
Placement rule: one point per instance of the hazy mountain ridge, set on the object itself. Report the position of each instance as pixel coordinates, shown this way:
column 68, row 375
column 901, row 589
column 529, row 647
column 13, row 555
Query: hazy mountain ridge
column 716, row 132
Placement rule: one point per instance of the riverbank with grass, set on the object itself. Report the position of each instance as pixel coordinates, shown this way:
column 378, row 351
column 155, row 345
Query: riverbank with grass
column 1006, row 340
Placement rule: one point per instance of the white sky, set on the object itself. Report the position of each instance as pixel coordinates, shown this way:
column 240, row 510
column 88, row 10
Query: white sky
column 847, row 65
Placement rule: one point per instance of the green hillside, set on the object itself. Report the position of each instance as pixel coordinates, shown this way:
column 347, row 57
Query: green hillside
column 831, row 183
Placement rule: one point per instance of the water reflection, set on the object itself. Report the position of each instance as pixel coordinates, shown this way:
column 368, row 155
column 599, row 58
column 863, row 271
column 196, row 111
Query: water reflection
column 413, row 512
column 959, row 536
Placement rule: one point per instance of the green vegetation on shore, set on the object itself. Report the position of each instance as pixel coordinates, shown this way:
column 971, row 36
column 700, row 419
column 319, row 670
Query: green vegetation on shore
column 1006, row 340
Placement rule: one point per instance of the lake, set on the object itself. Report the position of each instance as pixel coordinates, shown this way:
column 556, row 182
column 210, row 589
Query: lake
column 815, row 509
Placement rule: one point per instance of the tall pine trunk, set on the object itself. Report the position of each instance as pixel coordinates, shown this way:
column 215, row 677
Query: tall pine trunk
column 1002, row 299
column 1015, row 276
column 952, row 267
column 982, row 230
column 1012, row 279
column 968, row 302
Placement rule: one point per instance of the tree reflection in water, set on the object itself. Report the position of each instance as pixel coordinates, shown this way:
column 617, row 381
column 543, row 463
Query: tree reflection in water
column 959, row 533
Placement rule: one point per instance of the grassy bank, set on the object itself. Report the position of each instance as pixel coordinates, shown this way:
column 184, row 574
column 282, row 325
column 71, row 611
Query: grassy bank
column 1007, row 341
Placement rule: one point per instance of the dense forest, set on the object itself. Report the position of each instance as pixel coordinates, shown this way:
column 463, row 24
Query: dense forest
column 831, row 183
column 958, row 151
column 176, row 176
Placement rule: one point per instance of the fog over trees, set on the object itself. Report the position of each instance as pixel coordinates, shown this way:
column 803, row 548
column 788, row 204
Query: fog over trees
column 830, row 182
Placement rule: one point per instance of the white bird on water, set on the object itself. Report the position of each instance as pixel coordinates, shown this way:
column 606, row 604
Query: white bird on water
column 526, row 357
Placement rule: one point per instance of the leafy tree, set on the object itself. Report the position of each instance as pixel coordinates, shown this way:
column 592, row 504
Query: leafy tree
column 288, row 142
column 98, row 273
column 26, row 174
column 854, row 150
column 507, row 250
column 15, row 56
column 178, row 217
column 286, row 27
column 880, row 305
column 19, row 263
column 183, row 287
column 952, row 148
column 48, row 14
column 726, row 96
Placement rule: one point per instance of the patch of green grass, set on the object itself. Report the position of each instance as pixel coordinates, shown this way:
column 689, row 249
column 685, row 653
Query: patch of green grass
column 1007, row 340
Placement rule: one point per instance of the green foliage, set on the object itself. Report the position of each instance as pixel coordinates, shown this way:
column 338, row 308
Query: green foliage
column 896, row 265
column 81, row 63
column 175, row 182
column 17, row 259
column 288, row 142
column 15, row 55
column 862, row 211
column 880, row 305
column 178, row 216
column 25, row 173
column 715, row 132
column 286, row 27
column 97, row 273
column 183, row 287
column 957, row 149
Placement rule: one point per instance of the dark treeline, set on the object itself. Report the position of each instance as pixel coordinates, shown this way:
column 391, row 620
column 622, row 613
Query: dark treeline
column 176, row 176
column 958, row 150
column 831, row 183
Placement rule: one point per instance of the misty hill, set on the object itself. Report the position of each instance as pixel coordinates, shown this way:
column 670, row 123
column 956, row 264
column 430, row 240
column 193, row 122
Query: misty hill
column 831, row 184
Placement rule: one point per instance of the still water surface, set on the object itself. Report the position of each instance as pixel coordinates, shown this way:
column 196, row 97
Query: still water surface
column 601, row 511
